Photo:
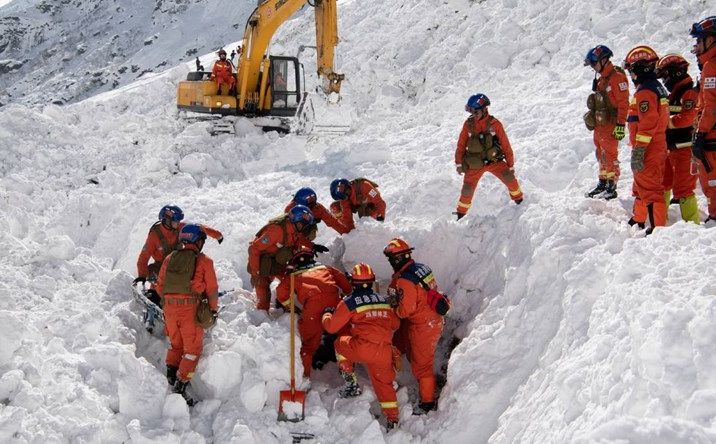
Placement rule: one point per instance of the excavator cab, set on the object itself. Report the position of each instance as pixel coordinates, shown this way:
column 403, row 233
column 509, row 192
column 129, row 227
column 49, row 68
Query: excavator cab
column 285, row 84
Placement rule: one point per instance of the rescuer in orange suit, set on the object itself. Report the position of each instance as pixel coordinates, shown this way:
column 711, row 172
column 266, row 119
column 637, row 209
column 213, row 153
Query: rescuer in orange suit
column 704, row 144
column 307, row 197
column 648, row 119
column 163, row 238
column 608, row 105
column 222, row 73
column 673, row 70
column 359, row 196
column 483, row 147
column 185, row 276
column 272, row 250
column 316, row 287
column 420, row 325
column 372, row 322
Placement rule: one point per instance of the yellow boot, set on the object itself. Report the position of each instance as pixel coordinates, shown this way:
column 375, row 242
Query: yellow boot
column 689, row 209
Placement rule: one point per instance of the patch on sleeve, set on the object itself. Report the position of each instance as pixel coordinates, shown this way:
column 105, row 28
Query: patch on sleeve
column 710, row 83
column 373, row 193
column 644, row 106
column 623, row 86
column 265, row 240
column 688, row 104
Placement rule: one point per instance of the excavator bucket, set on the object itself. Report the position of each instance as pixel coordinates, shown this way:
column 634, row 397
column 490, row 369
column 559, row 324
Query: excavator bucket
column 320, row 115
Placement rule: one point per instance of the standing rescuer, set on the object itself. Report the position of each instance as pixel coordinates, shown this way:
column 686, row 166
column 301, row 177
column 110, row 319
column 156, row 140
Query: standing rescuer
column 187, row 276
column 372, row 324
column 608, row 105
column 673, row 70
column 413, row 292
column 704, row 144
column 483, row 147
column 648, row 119
column 222, row 74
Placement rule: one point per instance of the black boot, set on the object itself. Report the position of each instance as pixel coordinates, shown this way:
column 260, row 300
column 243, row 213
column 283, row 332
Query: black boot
column 599, row 189
column 172, row 374
column 424, row 407
column 518, row 201
column 351, row 389
column 632, row 222
column 611, row 190
column 390, row 425
column 180, row 388
column 458, row 214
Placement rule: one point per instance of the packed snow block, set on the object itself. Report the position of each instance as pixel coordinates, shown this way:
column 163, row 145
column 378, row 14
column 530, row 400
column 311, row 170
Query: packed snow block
column 371, row 435
column 11, row 423
column 118, row 288
column 241, row 434
column 61, row 248
column 9, row 385
column 702, row 406
column 196, row 163
column 221, row 374
column 141, row 389
column 176, row 409
column 253, row 392
column 11, row 331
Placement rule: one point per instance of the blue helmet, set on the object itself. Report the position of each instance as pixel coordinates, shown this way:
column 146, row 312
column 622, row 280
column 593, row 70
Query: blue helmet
column 171, row 212
column 477, row 102
column 300, row 213
column 339, row 189
column 596, row 54
column 191, row 234
column 306, row 197
column 704, row 28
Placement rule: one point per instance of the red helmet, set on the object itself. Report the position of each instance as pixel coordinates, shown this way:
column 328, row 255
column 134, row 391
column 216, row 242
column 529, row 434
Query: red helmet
column 303, row 255
column 396, row 246
column 362, row 272
column 671, row 64
column 640, row 56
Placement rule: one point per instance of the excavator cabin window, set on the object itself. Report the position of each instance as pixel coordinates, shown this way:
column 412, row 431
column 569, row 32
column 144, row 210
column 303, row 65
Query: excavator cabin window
column 285, row 85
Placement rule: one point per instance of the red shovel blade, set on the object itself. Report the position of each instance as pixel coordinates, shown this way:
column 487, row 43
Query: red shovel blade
column 292, row 405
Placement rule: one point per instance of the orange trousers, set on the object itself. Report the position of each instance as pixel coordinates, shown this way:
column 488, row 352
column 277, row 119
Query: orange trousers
column 648, row 188
column 310, row 330
column 677, row 173
column 263, row 292
column 224, row 84
column 379, row 360
column 607, row 152
column 472, row 177
column 419, row 342
column 186, row 338
column 708, row 182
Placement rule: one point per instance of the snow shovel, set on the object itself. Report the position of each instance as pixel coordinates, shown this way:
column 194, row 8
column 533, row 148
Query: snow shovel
column 292, row 402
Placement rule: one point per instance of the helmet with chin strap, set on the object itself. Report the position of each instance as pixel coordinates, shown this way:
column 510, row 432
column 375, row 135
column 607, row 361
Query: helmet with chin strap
column 597, row 54
column 171, row 213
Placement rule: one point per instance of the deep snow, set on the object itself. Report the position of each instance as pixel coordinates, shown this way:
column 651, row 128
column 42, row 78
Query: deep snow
column 574, row 327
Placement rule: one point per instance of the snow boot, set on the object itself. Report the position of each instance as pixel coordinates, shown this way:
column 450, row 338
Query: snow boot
column 599, row 189
column 172, row 374
column 518, row 201
column 611, row 191
column 351, row 389
column 632, row 222
column 459, row 215
column 423, row 408
column 390, row 425
column 180, row 388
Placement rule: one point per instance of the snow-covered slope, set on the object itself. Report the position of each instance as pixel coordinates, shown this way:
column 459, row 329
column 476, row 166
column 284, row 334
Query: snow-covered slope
column 64, row 51
column 573, row 327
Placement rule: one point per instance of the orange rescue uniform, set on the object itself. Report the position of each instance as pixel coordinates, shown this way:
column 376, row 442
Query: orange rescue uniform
column 269, row 240
column 320, row 213
column 316, row 288
column 364, row 199
column 222, row 73
column 185, row 336
column 420, row 326
column 372, row 324
column 707, row 125
column 503, row 170
column 616, row 86
column 648, row 119
column 682, row 107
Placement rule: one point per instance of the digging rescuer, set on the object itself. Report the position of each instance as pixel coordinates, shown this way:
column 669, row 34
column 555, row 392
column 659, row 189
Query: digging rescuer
column 186, row 278
column 316, row 287
column 608, row 105
column 372, row 324
column 482, row 148
column 359, row 196
column 414, row 293
column 162, row 239
column 307, row 197
column 272, row 249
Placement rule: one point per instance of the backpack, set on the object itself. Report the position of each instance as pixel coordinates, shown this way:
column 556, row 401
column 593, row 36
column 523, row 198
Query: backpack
column 422, row 275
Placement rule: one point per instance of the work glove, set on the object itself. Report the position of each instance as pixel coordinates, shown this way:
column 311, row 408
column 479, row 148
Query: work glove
column 618, row 132
column 697, row 150
column 318, row 248
column 139, row 279
column 637, row 158
column 380, row 218
column 330, row 310
column 220, row 240
column 394, row 297
column 459, row 169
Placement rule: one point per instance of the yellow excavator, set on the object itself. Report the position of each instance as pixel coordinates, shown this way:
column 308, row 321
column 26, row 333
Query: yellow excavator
column 271, row 89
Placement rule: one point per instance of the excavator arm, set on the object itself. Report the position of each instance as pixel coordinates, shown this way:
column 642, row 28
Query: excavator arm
column 253, row 67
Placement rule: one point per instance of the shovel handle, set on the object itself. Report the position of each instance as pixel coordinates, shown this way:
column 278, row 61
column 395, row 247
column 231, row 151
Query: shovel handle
column 291, row 334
